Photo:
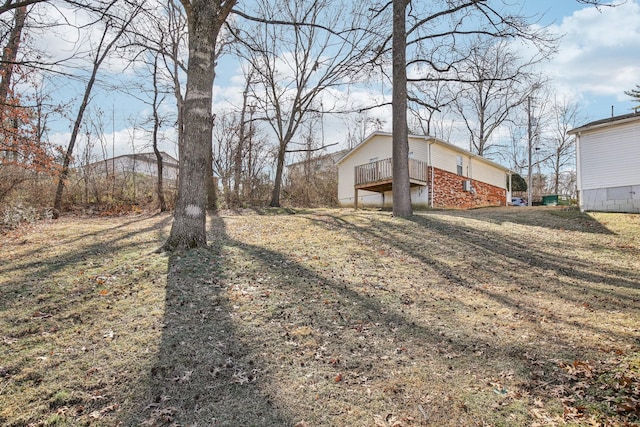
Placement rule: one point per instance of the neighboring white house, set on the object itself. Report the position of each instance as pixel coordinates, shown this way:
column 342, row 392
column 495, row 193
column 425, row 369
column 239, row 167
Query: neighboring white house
column 608, row 164
column 442, row 175
column 322, row 163
column 140, row 163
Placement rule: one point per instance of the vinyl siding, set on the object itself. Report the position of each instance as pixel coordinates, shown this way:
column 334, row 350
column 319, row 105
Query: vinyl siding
column 446, row 159
column 379, row 146
column 484, row 172
column 418, row 149
column 610, row 157
column 443, row 157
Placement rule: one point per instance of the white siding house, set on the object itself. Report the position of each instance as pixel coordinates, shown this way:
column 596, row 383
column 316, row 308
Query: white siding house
column 140, row 163
column 608, row 164
column 442, row 175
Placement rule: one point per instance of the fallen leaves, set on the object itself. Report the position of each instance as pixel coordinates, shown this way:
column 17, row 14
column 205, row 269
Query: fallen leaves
column 160, row 416
column 103, row 411
column 370, row 313
column 578, row 369
column 40, row 315
column 391, row 420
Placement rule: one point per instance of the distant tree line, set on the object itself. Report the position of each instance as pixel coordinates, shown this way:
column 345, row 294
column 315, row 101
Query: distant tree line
column 436, row 64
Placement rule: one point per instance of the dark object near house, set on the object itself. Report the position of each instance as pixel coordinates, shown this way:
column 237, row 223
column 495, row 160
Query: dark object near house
column 556, row 200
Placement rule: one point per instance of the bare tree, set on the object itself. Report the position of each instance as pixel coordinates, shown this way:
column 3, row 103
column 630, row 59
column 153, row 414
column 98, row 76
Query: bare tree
column 10, row 53
column 226, row 144
column 312, row 181
column 156, row 101
column 168, row 37
column 297, row 60
column 427, row 101
column 494, row 81
column 549, row 118
column 205, row 19
column 105, row 45
column 161, row 41
column 359, row 126
column 243, row 135
column 515, row 154
column 94, row 5
column 257, row 159
column 400, row 151
column 164, row 34
column 256, row 156
column 431, row 37
column 565, row 116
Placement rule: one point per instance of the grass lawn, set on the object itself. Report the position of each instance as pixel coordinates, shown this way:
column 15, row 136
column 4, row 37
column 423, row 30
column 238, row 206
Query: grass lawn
column 489, row 317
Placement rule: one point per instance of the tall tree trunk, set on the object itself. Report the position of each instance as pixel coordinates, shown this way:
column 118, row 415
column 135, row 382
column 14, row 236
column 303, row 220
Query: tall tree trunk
column 249, row 176
column 277, row 185
column 160, row 165
column 212, row 191
column 64, row 172
column 556, row 172
column 205, row 18
column 154, row 137
column 10, row 53
column 237, row 166
column 400, row 151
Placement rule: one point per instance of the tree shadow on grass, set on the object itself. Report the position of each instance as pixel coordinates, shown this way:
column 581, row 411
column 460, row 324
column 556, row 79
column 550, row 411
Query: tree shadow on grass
column 471, row 259
column 253, row 336
column 215, row 367
column 73, row 303
column 550, row 217
column 42, row 264
column 203, row 374
column 520, row 250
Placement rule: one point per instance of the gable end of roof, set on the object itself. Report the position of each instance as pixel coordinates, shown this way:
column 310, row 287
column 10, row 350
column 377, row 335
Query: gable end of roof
column 610, row 121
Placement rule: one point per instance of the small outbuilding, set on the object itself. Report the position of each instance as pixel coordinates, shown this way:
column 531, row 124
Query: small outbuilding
column 608, row 164
column 442, row 175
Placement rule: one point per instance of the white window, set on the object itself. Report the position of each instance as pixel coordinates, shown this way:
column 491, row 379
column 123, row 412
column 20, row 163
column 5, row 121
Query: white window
column 459, row 168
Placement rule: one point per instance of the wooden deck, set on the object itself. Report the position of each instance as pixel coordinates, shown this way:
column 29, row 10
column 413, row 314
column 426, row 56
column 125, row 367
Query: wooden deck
column 378, row 176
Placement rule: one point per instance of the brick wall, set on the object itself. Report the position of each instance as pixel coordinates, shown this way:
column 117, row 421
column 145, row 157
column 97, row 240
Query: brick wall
column 449, row 193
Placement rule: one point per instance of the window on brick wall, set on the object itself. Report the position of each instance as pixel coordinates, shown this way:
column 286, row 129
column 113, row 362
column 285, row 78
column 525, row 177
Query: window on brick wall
column 459, row 162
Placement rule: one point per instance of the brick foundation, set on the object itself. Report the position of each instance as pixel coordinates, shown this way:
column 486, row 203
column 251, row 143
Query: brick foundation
column 449, row 193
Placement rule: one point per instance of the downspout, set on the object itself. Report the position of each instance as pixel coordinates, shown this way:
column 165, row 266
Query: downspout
column 431, row 190
column 472, row 191
column 579, row 172
column 355, row 188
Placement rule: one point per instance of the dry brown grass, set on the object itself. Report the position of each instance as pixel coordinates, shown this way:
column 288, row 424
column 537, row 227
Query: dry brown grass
column 500, row 317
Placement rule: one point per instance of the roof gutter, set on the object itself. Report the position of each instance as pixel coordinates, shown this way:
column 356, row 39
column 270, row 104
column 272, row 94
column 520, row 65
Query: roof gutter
column 604, row 123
